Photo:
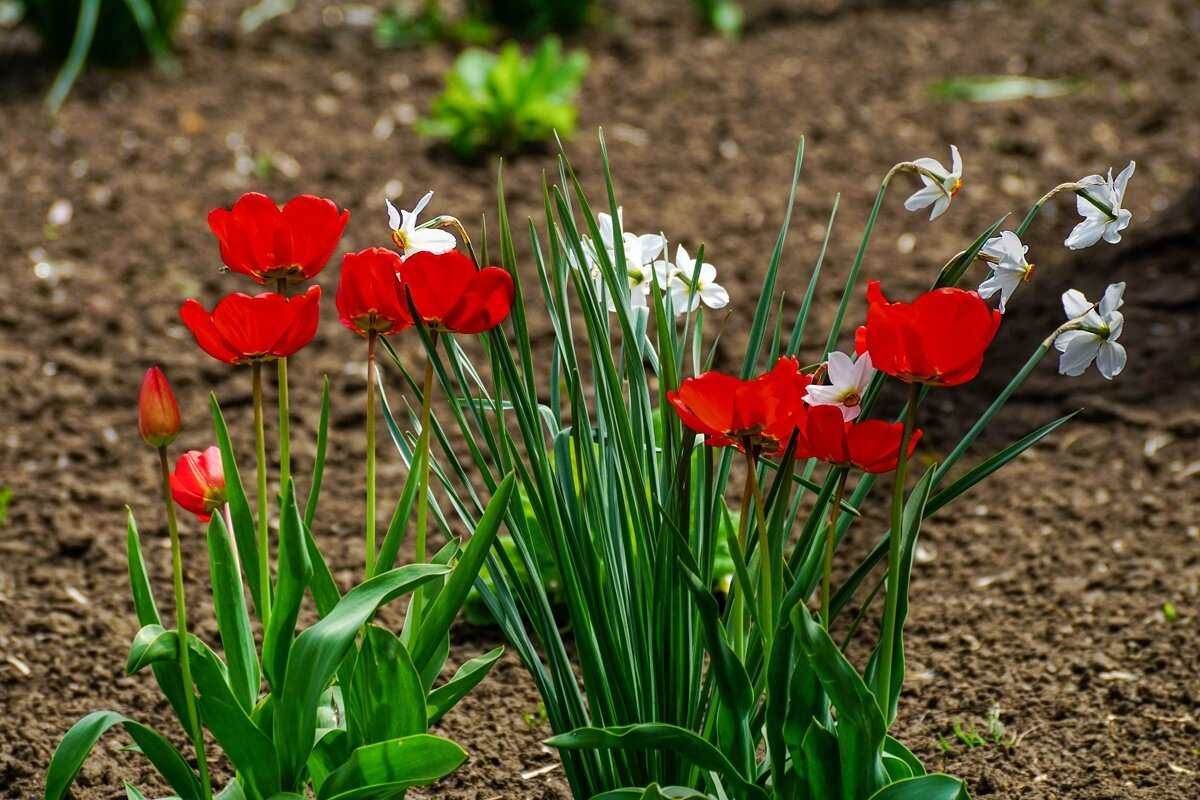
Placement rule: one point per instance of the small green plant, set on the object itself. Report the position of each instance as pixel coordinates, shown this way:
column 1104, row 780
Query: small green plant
column 6, row 495
column 532, row 18
column 503, row 102
column 112, row 32
column 994, row 733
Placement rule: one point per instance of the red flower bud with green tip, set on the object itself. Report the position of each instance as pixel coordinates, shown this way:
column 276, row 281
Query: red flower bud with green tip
column 939, row 339
column 370, row 297
column 269, row 244
column 243, row 329
column 872, row 445
column 757, row 416
column 158, row 414
column 198, row 483
column 451, row 295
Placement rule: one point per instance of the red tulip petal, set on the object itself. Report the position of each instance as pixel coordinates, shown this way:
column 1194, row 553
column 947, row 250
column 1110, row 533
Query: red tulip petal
column 246, row 234
column 435, row 282
column 304, row 313
column 200, row 323
column 485, row 302
column 826, row 433
column 252, row 325
column 956, row 328
column 308, row 232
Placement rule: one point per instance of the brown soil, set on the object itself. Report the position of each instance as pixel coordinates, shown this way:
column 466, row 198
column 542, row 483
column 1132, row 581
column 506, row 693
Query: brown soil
column 1041, row 594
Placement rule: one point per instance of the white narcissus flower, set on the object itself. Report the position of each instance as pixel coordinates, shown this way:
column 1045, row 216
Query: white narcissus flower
column 848, row 382
column 1096, row 337
column 686, row 294
column 412, row 239
column 937, row 194
column 1006, row 256
column 1101, row 223
column 639, row 251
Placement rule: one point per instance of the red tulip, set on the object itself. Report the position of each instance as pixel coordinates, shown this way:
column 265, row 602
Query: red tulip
column 757, row 416
column 158, row 413
column 370, row 296
column 872, row 445
column 198, row 483
column 268, row 244
column 244, row 329
column 450, row 294
column 939, row 339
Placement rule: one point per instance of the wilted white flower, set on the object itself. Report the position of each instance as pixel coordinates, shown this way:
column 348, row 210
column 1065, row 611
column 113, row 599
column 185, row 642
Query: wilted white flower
column 1096, row 337
column 1103, row 217
column 937, row 194
column 412, row 239
column 1006, row 256
column 848, row 382
column 686, row 294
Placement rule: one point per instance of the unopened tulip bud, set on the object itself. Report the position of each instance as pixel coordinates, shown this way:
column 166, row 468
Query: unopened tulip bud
column 198, row 483
column 158, row 414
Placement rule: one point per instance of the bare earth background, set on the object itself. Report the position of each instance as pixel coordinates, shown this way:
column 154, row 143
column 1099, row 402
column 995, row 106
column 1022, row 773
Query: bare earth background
column 1041, row 594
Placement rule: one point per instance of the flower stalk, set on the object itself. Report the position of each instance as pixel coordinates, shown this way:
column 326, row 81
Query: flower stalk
column 260, row 452
column 895, row 541
column 285, row 458
column 370, row 562
column 423, row 446
column 196, row 732
column 765, row 563
column 830, row 534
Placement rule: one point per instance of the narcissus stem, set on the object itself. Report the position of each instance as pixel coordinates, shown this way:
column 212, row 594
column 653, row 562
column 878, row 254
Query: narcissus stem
column 195, row 730
column 260, row 447
column 830, row 534
column 895, row 541
column 423, row 446
column 371, row 337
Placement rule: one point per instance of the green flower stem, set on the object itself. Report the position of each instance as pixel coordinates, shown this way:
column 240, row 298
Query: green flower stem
column 765, row 567
column 370, row 570
column 830, row 534
column 260, row 446
column 285, row 458
column 195, row 730
column 737, row 610
column 895, row 540
column 1046, row 198
column 423, row 483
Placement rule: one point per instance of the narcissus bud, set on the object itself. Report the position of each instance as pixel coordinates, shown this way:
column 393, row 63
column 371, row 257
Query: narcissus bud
column 158, row 414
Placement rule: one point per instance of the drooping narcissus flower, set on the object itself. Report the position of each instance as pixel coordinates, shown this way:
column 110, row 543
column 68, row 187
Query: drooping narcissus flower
column 198, row 482
column 939, row 339
column 1104, row 218
column 871, row 446
column 937, row 193
column 451, row 295
column 757, row 416
column 158, row 413
column 687, row 294
column 243, row 329
column 411, row 238
column 848, row 382
column 268, row 244
column 370, row 297
column 1006, row 256
column 1096, row 338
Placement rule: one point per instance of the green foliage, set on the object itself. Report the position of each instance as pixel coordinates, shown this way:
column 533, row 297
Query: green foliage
column 533, row 18
column 112, row 32
column 503, row 102
column 722, row 16
column 6, row 496
column 1003, row 88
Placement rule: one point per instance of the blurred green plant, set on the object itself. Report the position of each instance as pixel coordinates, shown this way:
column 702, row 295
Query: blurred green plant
column 722, row 16
column 6, row 496
column 1003, row 88
column 503, row 102
column 533, row 18
column 112, row 32
column 403, row 26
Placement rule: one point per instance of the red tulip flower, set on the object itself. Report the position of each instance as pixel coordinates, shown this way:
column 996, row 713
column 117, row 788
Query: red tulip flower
column 757, row 416
column 939, row 339
column 872, row 445
column 198, row 483
column 244, row 329
column 158, row 413
column 370, row 297
column 451, row 295
column 269, row 244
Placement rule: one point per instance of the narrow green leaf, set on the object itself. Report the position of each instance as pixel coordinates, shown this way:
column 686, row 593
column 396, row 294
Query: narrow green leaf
column 295, row 573
column 387, row 768
column 245, row 534
column 314, row 491
column 233, row 617
column 78, row 742
column 468, row 676
column 85, row 33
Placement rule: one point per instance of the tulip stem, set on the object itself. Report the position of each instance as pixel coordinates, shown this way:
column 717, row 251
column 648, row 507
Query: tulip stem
column 371, row 337
column 195, row 731
column 895, row 541
column 765, row 563
column 260, row 445
column 830, row 534
column 423, row 446
column 737, row 609
column 285, row 457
